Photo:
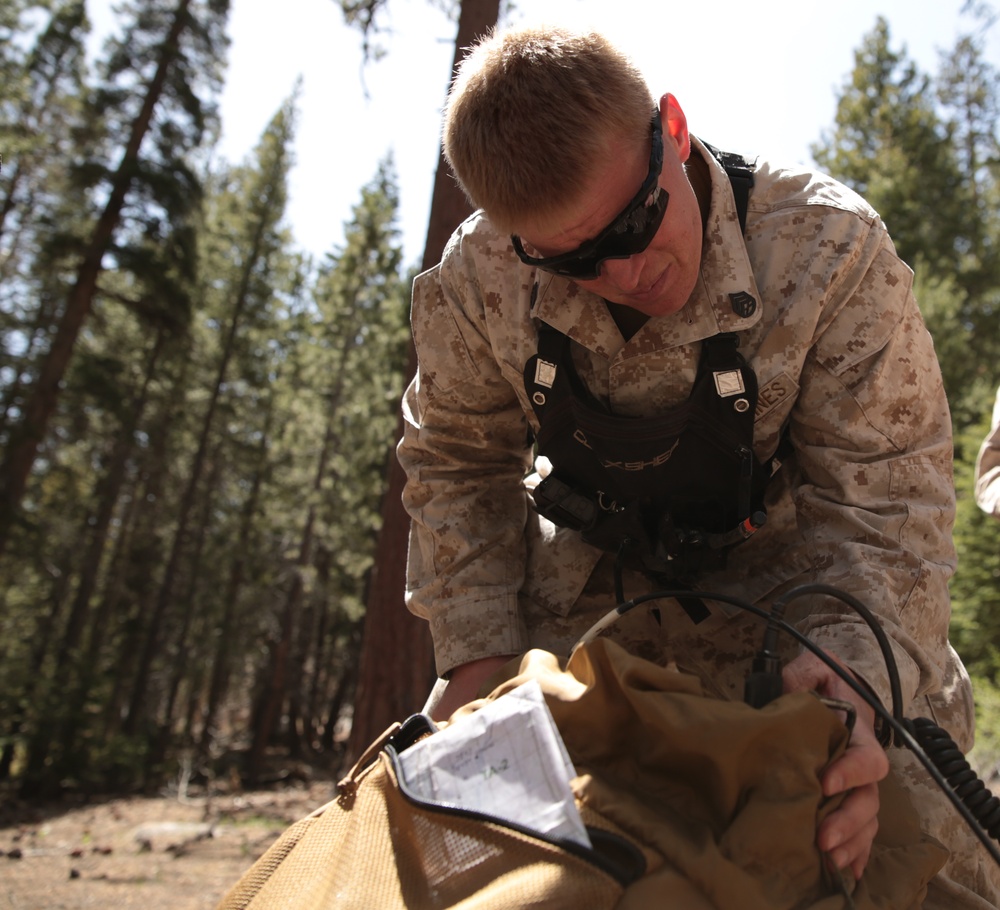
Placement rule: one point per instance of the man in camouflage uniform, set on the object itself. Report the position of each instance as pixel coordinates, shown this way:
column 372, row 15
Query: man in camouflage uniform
column 549, row 133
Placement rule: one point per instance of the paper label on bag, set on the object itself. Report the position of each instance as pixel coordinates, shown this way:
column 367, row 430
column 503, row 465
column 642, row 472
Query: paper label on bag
column 506, row 760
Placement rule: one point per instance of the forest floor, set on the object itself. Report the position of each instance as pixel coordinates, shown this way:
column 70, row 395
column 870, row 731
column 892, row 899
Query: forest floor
column 181, row 852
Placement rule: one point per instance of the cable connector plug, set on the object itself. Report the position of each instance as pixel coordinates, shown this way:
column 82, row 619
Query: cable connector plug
column 763, row 683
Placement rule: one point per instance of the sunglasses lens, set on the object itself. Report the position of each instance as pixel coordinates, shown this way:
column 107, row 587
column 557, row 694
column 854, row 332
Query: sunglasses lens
column 630, row 233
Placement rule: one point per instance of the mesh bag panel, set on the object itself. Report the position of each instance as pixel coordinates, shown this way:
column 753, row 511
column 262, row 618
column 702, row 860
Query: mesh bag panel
column 373, row 848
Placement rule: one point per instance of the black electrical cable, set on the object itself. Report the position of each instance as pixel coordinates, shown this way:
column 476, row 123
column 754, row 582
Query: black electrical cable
column 932, row 745
column 885, row 647
column 953, row 765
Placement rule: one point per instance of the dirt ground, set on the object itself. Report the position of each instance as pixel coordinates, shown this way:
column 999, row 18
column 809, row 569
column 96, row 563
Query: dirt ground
column 138, row 852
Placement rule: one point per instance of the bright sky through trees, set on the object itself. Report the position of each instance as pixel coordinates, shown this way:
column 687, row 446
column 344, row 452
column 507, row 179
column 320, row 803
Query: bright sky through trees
column 757, row 78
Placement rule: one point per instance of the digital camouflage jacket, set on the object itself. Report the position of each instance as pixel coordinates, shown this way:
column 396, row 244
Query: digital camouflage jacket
column 826, row 317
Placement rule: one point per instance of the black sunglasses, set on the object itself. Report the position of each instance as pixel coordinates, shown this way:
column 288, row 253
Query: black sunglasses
column 630, row 233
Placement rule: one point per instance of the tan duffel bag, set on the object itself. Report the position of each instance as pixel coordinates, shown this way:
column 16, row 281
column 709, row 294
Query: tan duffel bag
column 691, row 803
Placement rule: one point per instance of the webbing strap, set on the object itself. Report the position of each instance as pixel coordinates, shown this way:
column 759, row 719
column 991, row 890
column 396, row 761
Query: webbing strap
column 740, row 173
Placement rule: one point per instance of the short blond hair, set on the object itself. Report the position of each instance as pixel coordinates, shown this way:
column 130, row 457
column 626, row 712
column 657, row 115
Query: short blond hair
column 530, row 112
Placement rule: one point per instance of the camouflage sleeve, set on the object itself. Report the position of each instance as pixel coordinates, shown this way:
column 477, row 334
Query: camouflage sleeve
column 876, row 500
column 988, row 467
column 465, row 452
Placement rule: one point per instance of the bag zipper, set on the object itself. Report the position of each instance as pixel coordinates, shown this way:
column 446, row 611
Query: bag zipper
column 622, row 873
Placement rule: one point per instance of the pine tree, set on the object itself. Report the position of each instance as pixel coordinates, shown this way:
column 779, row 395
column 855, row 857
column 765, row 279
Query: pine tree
column 353, row 369
column 246, row 239
column 41, row 132
column 968, row 87
column 387, row 689
column 968, row 342
column 890, row 145
column 168, row 55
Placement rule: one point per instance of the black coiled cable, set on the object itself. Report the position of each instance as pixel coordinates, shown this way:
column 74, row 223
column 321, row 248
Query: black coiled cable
column 931, row 745
column 949, row 760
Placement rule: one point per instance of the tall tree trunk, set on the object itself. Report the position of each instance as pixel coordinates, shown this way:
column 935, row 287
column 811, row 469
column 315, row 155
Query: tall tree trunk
column 277, row 681
column 13, row 184
column 106, row 495
column 397, row 663
column 222, row 659
column 319, row 658
column 343, row 694
column 41, row 403
column 152, row 643
column 72, row 676
column 131, row 574
column 42, row 639
column 46, row 313
column 181, row 662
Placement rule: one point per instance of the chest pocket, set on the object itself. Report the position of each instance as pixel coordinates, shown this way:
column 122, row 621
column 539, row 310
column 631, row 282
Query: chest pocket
column 670, row 493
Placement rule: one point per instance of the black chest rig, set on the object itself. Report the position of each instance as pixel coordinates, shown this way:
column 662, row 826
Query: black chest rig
column 669, row 494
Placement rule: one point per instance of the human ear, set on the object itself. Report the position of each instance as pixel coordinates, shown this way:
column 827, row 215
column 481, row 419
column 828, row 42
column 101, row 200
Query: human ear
column 675, row 126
